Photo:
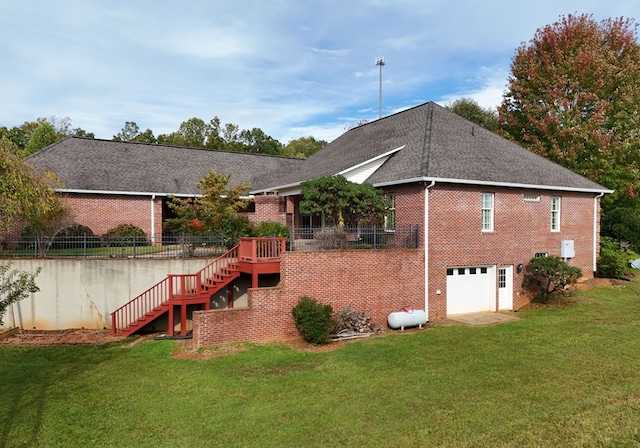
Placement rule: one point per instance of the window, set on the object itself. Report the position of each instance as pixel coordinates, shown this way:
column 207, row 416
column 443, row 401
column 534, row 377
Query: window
column 555, row 214
column 483, row 270
column 472, row 271
column 502, row 278
column 282, row 204
column 531, row 197
column 487, row 212
column 541, row 254
column 390, row 216
column 249, row 208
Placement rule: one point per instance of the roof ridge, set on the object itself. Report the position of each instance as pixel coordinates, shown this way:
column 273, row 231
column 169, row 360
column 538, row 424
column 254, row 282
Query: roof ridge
column 426, row 148
column 158, row 145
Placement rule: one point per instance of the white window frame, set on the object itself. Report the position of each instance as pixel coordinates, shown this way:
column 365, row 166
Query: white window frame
column 390, row 215
column 555, row 213
column 487, row 212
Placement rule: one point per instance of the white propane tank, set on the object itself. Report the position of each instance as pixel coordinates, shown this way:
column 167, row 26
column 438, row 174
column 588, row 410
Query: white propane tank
column 407, row 318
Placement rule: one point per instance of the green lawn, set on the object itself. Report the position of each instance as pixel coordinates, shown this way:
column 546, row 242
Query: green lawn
column 558, row 378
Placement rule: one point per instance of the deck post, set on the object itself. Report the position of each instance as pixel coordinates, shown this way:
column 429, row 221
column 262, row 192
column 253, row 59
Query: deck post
column 183, row 319
column 170, row 320
column 230, row 295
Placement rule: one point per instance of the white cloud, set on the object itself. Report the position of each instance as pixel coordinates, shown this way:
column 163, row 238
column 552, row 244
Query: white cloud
column 289, row 68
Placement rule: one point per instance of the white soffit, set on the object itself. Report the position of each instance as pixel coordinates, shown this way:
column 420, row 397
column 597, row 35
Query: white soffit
column 362, row 171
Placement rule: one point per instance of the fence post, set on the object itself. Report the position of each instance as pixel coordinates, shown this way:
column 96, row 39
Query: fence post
column 375, row 236
column 84, row 245
column 291, row 237
column 134, row 245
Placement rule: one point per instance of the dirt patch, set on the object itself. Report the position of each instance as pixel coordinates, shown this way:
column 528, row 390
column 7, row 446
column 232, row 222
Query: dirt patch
column 184, row 349
column 600, row 283
column 69, row 337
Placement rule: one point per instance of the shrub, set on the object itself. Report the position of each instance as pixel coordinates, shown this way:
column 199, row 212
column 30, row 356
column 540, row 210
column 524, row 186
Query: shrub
column 125, row 235
column 75, row 236
column 613, row 261
column 271, row 228
column 331, row 238
column 235, row 227
column 313, row 320
column 622, row 224
column 548, row 275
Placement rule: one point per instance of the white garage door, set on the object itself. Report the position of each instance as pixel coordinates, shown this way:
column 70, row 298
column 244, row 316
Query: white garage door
column 470, row 289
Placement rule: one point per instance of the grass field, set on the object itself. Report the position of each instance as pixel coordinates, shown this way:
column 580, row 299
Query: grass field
column 567, row 377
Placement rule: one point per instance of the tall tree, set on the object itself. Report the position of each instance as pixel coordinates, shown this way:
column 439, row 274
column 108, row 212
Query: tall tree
column 130, row 132
column 212, row 211
column 26, row 195
column 257, row 141
column 302, row 147
column 43, row 136
column 574, row 97
column 472, row 111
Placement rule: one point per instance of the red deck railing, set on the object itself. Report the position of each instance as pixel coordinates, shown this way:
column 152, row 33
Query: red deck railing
column 256, row 250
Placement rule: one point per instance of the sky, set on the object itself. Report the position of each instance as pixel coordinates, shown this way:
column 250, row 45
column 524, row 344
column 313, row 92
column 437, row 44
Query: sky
column 292, row 68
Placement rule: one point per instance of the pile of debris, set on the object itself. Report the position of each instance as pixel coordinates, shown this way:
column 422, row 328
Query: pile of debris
column 351, row 324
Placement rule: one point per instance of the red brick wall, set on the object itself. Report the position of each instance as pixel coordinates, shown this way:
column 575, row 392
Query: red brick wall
column 364, row 280
column 103, row 212
column 379, row 282
column 267, row 209
column 521, row 229
column 409, row 206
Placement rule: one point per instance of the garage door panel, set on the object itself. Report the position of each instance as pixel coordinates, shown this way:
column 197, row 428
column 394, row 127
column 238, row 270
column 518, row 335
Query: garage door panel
column 470, row 289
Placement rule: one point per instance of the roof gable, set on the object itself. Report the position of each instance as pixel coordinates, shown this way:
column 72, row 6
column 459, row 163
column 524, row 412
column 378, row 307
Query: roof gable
column 436, row 144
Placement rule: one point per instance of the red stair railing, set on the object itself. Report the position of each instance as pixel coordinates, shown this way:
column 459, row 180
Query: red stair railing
column 174, row 287
column 153, row 298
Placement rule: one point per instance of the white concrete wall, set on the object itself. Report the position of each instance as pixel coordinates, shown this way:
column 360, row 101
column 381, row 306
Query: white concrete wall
column 83, row 293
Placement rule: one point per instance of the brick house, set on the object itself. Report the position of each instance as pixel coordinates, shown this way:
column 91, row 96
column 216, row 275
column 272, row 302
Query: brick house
column 109, row 183
column 484, row 206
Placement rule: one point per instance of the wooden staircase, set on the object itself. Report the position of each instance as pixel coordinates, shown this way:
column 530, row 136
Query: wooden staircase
column 253, row 256
column 176, row 290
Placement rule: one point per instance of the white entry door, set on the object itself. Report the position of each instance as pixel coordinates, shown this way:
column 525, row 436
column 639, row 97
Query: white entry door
column 505, row 288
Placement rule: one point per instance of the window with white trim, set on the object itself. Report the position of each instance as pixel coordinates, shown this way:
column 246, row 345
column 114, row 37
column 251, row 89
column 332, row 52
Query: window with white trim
column 487, row 212
column 555, row 214
column 390, row 216
column 529, row 197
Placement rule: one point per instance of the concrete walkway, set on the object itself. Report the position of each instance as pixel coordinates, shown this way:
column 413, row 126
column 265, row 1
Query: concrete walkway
column 479, row 319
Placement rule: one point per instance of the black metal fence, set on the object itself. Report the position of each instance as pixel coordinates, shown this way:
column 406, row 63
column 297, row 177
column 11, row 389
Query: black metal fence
column 374, row 237
column 182, row 246
column 93, row 246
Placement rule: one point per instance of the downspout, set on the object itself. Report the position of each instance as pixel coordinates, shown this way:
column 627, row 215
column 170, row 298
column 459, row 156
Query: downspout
column 595, row 236
column 153, row 221
column 426, row 247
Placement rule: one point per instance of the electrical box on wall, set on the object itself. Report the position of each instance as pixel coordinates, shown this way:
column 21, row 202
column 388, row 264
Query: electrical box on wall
column 566, row 250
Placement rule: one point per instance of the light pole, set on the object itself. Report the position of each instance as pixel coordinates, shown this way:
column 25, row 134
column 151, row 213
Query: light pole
column 380, row 62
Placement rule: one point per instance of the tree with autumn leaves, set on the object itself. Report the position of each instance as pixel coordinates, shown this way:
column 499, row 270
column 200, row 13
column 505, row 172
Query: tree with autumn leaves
column 214, row 211
column 574, row 97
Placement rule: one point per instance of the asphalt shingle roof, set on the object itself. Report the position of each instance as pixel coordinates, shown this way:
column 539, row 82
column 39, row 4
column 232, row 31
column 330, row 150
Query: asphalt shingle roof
column 105, row 165
column 438, row 145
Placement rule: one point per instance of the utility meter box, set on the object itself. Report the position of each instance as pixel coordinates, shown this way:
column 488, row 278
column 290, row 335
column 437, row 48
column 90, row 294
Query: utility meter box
column 567, row 251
